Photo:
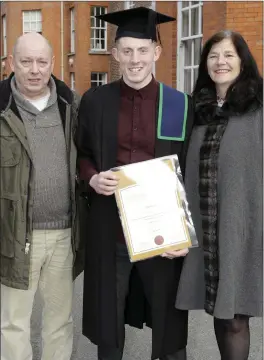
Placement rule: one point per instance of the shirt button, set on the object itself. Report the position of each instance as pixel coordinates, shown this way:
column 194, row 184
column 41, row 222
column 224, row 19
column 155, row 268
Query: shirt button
column 134, row 150
column 135, row 128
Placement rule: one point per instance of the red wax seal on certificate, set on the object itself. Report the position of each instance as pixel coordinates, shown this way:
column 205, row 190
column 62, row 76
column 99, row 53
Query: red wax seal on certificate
column 159, row 240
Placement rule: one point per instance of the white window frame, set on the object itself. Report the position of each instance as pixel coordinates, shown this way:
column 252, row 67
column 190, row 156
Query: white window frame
column 102, row 27
column 72, row 30
column 4, row 35
column 182, row 43
column 99, row 81
column 72, row 80
column 34, row 17
column 129, row 4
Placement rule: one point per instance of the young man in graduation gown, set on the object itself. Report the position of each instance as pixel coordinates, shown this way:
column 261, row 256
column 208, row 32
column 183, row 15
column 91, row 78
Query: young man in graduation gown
column 127, row 121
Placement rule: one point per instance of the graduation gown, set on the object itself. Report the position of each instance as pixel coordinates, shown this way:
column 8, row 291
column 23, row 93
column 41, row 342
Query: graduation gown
column 97, row 140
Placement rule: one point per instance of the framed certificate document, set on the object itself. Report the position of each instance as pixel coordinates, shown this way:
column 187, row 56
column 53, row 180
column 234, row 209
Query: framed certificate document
column 153, row 208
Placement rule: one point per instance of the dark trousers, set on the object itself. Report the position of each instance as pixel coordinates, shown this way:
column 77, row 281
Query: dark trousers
column 123, row 271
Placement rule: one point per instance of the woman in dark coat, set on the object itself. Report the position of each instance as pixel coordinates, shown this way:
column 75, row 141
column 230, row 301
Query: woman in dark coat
column 224, row 187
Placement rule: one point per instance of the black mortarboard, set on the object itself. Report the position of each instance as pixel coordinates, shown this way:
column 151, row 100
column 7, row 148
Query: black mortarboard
column 139, row 22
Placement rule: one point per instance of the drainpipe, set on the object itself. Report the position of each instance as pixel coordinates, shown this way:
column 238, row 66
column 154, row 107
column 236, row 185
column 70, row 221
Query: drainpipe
column 62, row 39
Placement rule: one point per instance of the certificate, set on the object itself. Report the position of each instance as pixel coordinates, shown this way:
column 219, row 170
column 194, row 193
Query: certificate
column 151, row 208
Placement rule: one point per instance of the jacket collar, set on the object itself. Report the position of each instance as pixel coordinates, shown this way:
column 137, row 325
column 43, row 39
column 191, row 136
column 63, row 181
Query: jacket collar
column 63, row 91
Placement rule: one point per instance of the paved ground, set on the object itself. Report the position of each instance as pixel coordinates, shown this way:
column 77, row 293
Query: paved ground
column 202, row 345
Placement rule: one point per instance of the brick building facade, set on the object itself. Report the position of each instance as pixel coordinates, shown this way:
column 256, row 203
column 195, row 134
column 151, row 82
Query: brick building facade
column 80, row 60
column 245, row 17
column 82, row 45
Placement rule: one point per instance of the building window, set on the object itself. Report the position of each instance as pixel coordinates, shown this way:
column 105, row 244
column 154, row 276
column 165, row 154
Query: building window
column 129, row 4
column 98, row 79
column 98, row 29
column 72, row 78
column 32, row 21
column 4, row 36
column 72, row 30
column 190, row 34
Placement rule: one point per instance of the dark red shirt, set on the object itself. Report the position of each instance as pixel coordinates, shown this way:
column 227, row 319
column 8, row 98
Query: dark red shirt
column 137, row 123
column 136, row 129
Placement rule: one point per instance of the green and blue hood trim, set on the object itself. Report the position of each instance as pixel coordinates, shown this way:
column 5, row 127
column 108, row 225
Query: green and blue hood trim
column 172, row 116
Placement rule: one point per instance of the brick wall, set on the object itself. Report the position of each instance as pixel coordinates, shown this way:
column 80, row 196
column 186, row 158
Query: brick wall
column 85, row 60
column 214, row 17
column 114, row 67
column 67, row 42
column 166, row 65
column 50, row 24
column 246, row 17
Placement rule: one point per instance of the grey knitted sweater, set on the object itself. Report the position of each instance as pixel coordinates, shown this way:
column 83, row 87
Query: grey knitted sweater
column 51, row 207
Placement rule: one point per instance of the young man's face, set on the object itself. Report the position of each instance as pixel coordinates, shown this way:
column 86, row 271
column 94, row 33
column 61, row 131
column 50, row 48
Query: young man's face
column 136, row 58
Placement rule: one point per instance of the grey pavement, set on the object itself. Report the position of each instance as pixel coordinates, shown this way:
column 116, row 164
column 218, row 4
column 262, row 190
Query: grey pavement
column 201, row 344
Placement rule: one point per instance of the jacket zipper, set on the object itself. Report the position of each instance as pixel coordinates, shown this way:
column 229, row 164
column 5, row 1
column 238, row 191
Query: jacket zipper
column 27, row 246
column 68, row 132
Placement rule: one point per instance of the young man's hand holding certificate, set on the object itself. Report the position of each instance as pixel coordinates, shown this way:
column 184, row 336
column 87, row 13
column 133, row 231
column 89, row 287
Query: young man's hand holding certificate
column 153, row 209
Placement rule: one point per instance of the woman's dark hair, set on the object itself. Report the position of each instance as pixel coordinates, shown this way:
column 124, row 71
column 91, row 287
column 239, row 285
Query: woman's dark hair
column 246, row 89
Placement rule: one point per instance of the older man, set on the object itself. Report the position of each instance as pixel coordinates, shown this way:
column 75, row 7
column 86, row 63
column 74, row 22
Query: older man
column 38, row 212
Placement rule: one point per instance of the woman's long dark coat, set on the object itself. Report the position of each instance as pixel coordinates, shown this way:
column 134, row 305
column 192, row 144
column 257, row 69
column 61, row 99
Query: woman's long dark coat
column 97, row 134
